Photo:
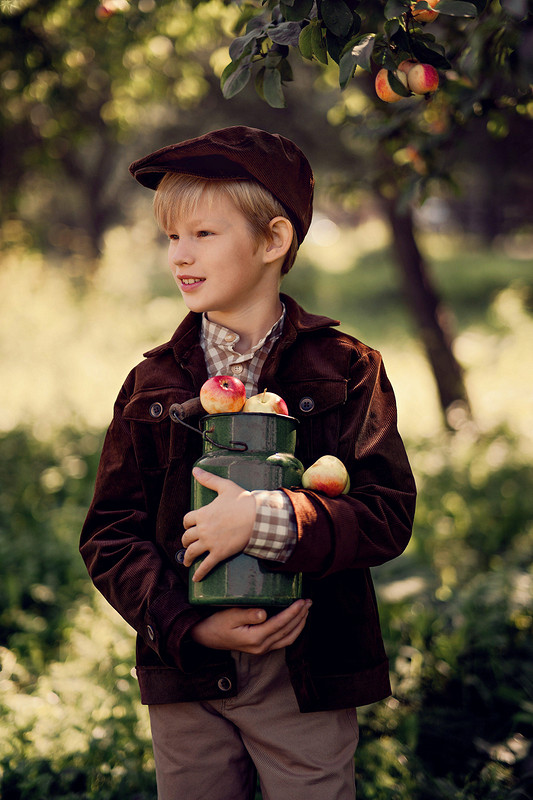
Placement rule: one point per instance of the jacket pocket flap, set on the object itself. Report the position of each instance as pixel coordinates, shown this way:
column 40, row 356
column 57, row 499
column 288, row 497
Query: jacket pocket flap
column 307, row 398
column 153, row 405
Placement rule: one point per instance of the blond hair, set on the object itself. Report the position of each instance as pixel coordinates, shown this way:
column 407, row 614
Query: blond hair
column 179, row 195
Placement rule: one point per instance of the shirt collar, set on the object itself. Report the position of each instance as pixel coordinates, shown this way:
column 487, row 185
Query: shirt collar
column 215, row 335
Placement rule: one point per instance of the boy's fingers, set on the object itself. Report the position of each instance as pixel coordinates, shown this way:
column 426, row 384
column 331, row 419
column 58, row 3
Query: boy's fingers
column 286, row 620
column 189, row 536
column 289, row 636
column 209, row 480
column 250, row 616
column 189, row 520
column 204, row 568
column 284, row 635
column 288, row 614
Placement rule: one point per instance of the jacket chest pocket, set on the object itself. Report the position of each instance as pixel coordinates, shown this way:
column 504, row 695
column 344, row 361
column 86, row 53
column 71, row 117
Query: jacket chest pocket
column 318, row 407
column 156, row 438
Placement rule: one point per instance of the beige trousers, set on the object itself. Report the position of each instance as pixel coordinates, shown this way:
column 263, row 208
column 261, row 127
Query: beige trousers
column 213, row 750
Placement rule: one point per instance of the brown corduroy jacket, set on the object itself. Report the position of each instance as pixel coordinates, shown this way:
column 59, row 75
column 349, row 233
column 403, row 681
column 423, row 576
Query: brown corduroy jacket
column 337, row 388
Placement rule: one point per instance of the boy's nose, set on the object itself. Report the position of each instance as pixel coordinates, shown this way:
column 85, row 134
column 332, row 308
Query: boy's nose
column 180, row 255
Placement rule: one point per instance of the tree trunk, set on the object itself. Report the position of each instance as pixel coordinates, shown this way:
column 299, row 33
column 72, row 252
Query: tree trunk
column 431, row 316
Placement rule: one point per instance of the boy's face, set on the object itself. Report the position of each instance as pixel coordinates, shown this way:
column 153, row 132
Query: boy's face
column 215, row 262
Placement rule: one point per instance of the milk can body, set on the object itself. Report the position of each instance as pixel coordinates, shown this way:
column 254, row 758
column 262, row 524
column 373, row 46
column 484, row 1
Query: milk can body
column 256, row 451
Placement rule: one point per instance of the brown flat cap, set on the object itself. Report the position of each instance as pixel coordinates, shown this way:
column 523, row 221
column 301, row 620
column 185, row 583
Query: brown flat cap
column 239, row 153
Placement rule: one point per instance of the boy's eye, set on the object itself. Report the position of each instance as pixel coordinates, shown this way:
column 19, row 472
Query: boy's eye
column 173, row 237
column 201, row 234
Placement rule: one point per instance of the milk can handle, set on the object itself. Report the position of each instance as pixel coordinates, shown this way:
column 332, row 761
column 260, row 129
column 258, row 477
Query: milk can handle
column 177, row 413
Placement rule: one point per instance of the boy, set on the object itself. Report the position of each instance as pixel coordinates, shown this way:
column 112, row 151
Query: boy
column 233, row 691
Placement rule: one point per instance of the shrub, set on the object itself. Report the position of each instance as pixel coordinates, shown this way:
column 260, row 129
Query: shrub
column 45, row 492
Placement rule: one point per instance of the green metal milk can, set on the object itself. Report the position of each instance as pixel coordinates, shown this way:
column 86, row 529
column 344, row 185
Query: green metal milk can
column 256, row 451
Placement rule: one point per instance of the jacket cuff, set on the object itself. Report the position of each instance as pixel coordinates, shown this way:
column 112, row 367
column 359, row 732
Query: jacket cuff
column 168, row 622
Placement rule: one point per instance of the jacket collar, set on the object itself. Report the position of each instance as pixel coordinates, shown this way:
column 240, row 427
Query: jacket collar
column 297, row 321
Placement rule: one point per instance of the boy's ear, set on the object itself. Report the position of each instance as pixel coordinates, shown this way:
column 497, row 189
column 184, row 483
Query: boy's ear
column 280, row 240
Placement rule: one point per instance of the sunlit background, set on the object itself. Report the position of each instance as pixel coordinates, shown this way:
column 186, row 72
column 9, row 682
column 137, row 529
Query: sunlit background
column 85, row 290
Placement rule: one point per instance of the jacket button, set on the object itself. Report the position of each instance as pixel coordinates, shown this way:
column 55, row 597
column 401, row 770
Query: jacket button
column 224, row 684
column 156, row 409
column 180, row 555
column 151, row 634
column 307, row 404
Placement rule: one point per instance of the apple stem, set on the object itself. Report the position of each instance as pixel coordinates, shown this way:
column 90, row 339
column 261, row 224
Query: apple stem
column 263, row 396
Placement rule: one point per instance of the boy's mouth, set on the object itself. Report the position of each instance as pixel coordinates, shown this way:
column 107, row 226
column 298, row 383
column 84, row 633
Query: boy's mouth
column 186, row 281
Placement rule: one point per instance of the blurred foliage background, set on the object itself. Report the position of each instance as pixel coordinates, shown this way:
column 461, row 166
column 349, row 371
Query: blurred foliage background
column 87, row 88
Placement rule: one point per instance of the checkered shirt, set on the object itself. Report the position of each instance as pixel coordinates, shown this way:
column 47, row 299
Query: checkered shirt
column 274, row 535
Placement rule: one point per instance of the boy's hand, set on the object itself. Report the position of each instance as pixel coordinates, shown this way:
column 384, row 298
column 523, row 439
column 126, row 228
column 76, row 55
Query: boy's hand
column 222, row 528
column 248, row 629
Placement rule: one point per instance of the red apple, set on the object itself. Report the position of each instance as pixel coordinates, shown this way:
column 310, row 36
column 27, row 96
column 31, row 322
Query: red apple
column 109, row 8
column 423, row 79
column 104, row 11
column 329, row 475
column 407, row 65
column 425, row 14
column 222, row 394
column 266, row 403
column 383, row 88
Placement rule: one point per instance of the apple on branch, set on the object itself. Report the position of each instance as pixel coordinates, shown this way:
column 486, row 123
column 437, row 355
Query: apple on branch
column 423, row 79
column 108, row 8
column 329, row 475
column 266, row 403
column 407, row 65
column 384, row 89
column 223, row 394
column 422, row 13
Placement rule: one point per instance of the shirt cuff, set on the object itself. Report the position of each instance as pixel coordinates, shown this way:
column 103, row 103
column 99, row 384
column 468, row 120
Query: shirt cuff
column 275, row 534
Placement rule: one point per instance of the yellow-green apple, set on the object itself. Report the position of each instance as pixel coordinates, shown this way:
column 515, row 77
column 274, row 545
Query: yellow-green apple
column 425, row 14
column 423, row 79
column 383, row 88
column 329, row 475
column 223, row 394
column 265, row 403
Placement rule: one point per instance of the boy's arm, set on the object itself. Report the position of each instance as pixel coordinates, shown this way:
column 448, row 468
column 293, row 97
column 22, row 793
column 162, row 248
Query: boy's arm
column 372, row 524
column 250, row 630
column 234, row 523
column 275, row 534
column 118, row 547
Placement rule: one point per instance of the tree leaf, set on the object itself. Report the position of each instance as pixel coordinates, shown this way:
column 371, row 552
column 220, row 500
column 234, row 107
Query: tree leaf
column 401, row 40
column 383, row 57
column 242, row 44
column 392, row 26
column 456, row 8
column 234, row 81
column 428, row 55
column 273, row 59
column 395, row 9
column 272, row 88
column 337, row 17
column 296, row 10
column 258, row 82
column 286, row 33
column 396, row 85
column 362, row 50
column 347, row 67
column 305, row 42
column 319, row 47
column 285, row 71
